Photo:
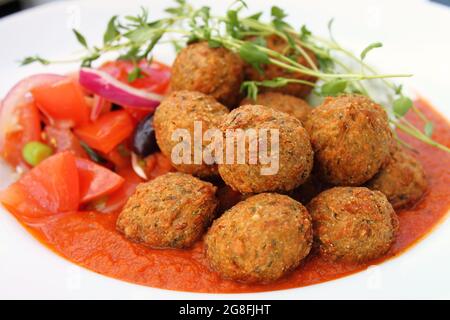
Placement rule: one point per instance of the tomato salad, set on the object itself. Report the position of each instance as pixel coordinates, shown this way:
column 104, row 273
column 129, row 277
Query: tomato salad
column 76, row 138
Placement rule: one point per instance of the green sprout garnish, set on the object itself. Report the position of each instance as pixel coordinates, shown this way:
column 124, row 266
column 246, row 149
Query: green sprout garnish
column 338, row 71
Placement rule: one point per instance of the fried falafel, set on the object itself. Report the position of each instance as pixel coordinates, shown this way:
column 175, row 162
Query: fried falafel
column 353, row 224
column 260, row 239
column 171, row 211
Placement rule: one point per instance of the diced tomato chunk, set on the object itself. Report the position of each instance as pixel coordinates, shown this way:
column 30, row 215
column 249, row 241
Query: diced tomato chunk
column 156, row 165
column 50, row 188
column 63, row 102
column 64, row 140
column 107, row 132
column 22, row 204
column 137, row 114
column 28, row 128
column 116, row 200
column 95, row 180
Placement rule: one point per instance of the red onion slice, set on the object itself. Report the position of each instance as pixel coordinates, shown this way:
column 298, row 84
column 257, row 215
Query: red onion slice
column 106, row 86
column 17, row 96
column 100, row 104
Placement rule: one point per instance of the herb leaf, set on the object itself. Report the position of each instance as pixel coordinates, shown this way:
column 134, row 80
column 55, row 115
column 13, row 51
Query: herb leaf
column 369, row 48
column 243, row 3
column 87, row 61
column 333, row 87
column 251, row 88
column 278, row 13
column 214, row 44
column 401, row 105
column 253, row 55
column 81, row 39
column 304, row 33
column 274, row 83
column 134, row 74
column 29, row 60
column 260, row 41
column 131, row 54
column 111, row 31
column 140, row 35
column 94, row 156
column 151, row 45
column 398, row 89
column 232, row 23
column 255, row 16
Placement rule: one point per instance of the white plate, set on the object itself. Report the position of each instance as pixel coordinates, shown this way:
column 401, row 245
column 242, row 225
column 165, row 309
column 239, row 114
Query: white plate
column 415, row 40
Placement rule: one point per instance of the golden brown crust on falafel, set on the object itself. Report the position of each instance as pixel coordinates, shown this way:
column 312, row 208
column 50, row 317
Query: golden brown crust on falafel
column 353, row 224
column 351, row 138
column 295, row 152
column 213, row 71
column 171, row 211
column 179, row 110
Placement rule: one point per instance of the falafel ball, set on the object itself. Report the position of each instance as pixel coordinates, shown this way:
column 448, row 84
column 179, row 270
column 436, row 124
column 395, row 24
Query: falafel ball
column 214, row 71
column 351, row 138
column 271, row 71
column 291, row 160
column 403, row 180
column 179, row 110
column 294, row 106
column 259, row 239
column 353, row 224
column 171, row 211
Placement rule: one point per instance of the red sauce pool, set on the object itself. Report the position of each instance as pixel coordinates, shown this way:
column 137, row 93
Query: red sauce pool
column 90, row 240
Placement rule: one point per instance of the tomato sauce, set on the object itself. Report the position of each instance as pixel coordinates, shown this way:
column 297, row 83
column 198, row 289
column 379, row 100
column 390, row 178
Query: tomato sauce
column 89, row 239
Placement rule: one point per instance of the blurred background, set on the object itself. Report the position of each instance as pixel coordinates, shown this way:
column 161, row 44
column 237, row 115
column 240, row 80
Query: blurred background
column 10, row 6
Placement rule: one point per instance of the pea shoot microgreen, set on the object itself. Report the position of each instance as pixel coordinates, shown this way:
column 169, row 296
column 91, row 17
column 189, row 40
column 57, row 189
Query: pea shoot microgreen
column 333, row 87
column 33, row 59
column 369, row 48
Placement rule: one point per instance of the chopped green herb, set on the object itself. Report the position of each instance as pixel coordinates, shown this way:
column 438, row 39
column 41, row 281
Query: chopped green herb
column 304, row 33
column 134, row 74
column 81, row 39
column 94, row 156
column 29, row 60
column 402, row 105
column 278, row 13
column 111, row 31
column 333, row 87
